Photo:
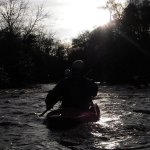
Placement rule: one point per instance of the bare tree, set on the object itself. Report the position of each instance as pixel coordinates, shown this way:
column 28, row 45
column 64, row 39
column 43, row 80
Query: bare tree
column 33, row 21
column 17, row 16
column 11, row 14
column 115, row 9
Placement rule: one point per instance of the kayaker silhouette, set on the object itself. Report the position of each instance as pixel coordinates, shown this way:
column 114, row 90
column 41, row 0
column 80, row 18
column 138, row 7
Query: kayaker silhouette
column 74, row 91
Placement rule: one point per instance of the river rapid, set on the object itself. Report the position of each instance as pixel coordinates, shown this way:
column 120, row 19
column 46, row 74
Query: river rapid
column 124, row 122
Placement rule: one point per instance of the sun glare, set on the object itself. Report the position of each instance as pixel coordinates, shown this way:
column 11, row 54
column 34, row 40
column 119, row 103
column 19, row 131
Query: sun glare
column 74, row 16
column 85, row 15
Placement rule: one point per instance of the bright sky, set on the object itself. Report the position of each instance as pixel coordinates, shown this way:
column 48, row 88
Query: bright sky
column 68, row 18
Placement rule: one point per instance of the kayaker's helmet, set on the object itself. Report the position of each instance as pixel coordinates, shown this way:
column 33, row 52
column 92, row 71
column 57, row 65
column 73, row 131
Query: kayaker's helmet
column 78, row 66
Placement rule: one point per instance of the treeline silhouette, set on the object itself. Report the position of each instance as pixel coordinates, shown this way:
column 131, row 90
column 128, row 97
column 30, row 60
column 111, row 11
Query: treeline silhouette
column 27, row 53
column 116, row 53
column 120, row 51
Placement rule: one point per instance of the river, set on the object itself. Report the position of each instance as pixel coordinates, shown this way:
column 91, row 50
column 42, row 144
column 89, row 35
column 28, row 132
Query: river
column 124, row 122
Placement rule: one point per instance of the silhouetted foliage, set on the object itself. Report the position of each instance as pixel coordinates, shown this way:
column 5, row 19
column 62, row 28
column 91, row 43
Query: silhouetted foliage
column 81, row 41
column 27, row 55
column 119, row 52
column 116, row 53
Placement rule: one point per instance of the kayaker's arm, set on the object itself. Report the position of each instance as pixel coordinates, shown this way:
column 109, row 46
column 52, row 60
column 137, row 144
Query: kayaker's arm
column 51, row 100
column 54, row 95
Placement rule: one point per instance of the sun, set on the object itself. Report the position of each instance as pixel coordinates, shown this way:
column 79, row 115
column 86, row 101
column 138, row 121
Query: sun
column 85, row 14
column 72, row 17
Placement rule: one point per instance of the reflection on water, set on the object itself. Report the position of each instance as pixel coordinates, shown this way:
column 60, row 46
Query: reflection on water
column 124, row 123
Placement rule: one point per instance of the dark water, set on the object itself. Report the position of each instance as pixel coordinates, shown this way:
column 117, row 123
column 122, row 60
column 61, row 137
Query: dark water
column 124, row 123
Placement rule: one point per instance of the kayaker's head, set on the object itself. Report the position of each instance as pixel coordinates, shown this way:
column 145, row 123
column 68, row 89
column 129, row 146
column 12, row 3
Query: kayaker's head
column 78, row 67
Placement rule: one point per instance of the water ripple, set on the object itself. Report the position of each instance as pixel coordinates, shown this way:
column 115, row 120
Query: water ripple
column 124, row 123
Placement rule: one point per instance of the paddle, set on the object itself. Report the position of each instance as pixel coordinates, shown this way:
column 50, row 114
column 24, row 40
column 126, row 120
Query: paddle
column 43, row 113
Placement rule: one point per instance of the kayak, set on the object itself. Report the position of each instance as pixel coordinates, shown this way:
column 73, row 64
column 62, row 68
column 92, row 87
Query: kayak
column 70, row 117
